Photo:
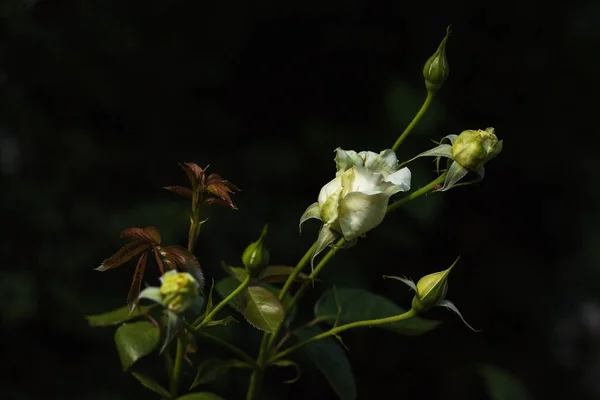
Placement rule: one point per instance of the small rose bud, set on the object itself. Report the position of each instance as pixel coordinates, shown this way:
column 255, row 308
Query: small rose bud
column 436, row 69
column 473, row 148
column 431, row 290
column 179, row 290
column 256, row 255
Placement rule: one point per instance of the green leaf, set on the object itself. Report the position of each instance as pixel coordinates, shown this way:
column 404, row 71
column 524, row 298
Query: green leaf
column 360, row 305
column 287, row 301
column 135, row 340
column 210, row 370
column 200, row 396
column 261, row 308
column 331, row 360
column 151, row 384
column 117, row 316
column 502, row 385
column 227, row 285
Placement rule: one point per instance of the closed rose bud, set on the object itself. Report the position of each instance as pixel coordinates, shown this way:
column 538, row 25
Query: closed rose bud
column 431, row 290
column 436, row 69
column 256, row 255
column 473, row 148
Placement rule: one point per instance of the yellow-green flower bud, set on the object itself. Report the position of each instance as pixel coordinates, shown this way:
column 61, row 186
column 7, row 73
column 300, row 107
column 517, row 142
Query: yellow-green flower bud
column 473, row 148
column 436, row 69
column 431, row 290
column 256, row 255
column 179, row 290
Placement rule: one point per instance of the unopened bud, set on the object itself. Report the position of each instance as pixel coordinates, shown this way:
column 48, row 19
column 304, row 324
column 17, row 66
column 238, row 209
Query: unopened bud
column 436, row 68
column 256, row 255
column 179, row 290
column 473, row 148
column 431, row 290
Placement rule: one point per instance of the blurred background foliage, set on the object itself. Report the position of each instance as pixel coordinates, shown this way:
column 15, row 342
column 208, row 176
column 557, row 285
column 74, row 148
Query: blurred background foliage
column 100, row 99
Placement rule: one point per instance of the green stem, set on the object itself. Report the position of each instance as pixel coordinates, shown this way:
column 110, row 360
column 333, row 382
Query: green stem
column 334, row 331
column 177, row 367
column 303, row 261
column 259, row 371
column 315, row 272
column 416, row 119
column 255, row 383
column 417, row 193
column 194, row 229
column 224, row 302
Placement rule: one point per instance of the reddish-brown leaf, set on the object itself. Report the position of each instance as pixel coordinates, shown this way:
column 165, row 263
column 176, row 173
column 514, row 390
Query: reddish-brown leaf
column 136, row 283
column 217, row 200
column 216, row 179
column 125, row 254
column 161, row 266
column 222, row 191
column 194, row 172
column 149, row 234
column 165, row 260
column 186, row 262
column 180, row 190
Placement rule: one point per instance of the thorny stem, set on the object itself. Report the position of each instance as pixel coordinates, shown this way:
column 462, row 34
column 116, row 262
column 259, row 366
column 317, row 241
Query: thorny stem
column 417, row 193
column 336, row 330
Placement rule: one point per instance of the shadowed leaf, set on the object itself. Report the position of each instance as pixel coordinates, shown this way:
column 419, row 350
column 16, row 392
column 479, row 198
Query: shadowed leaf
column 331, row 360
column 200, row 396
column 135, row 340
column 117, row 316
column 210, row 370
column 151, row 384
column 227, row 285
column 502, row 385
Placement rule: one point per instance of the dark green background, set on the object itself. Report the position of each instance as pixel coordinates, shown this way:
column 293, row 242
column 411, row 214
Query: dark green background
column 100, row 99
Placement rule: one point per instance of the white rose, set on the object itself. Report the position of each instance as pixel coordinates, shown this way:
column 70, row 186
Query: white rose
column 355, row 201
